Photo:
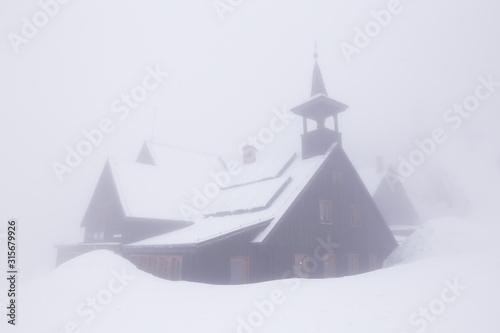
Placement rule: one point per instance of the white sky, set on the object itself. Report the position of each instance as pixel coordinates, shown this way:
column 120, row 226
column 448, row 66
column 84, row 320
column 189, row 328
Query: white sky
column 225, row 79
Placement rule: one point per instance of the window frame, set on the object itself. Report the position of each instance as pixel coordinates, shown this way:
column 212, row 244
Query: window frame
column 246, row 269
column 338, row 177
column 328, row 214
column 355, row 215
column 170, row 267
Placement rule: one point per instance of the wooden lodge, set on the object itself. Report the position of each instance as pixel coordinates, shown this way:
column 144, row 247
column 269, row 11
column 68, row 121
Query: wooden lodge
column 301, row 212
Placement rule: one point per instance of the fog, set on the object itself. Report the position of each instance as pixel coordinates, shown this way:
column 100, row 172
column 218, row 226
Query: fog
column 225, row 79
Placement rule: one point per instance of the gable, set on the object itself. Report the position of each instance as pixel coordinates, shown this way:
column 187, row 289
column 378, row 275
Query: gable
column 394, row 203
column 105, row 205
column 145, row 156
column 300, row 225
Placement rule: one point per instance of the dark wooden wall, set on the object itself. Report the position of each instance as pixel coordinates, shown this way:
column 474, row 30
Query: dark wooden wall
column 300, row 228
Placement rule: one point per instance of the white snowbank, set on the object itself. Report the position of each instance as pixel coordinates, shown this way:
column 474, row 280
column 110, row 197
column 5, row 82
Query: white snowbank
column 438, row 237
column 447, row 270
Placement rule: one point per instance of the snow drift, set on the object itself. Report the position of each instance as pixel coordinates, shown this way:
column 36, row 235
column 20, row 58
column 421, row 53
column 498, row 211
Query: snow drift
column 444, row 280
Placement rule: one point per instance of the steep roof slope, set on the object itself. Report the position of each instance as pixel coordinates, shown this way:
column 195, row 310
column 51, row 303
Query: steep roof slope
column 282, row 190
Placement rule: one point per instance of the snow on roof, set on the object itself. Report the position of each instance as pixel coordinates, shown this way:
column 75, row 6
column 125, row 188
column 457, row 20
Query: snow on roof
column 262, row 170
column 206, row 229
column 247, row 198
column 155, row 191
column 298, row 174
column 302, row 172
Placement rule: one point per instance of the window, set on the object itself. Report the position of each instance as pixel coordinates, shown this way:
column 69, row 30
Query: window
column 355, row 215
column 151, row 264
column 329, row 265
column 239, row 270
column 170, row 268
column 96, row 236
column 374, row 262
column 352, row 263
column 325, row 211
column 301, row 265
column 338, row 177
column 101, row 235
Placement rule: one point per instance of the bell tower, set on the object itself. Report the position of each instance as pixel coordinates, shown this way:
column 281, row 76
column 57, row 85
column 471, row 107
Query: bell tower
column 319, row 108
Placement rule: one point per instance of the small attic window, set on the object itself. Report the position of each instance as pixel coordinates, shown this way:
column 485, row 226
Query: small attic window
column 338, row 177
column 249, row 154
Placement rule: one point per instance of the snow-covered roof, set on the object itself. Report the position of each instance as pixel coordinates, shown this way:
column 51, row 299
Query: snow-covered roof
column 205, row 229
column 251, row 197
column 155, row 192
column 284, row 190
column 262, row 170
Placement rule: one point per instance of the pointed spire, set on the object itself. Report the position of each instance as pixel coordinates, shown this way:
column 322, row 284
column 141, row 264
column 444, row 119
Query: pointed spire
column 318, row 85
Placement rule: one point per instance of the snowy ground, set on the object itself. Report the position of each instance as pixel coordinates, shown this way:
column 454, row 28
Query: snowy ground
column 442, row 279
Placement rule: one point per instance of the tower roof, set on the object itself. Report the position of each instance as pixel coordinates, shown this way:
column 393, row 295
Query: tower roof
column 319, row 107
column 318, row 85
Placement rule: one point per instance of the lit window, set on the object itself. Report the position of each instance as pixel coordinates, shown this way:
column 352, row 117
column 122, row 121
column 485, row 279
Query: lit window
column 338, row 177
column 239, row 270
column 101, row 235
column 355, row 215
column 325, row 211
column 329, row 265
column 352, row 263
column 301, row 265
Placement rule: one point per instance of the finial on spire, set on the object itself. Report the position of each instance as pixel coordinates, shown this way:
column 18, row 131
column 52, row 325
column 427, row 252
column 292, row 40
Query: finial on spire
column 318, row 86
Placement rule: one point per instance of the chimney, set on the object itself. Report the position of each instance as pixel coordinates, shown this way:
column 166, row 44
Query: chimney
column 249, row 154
